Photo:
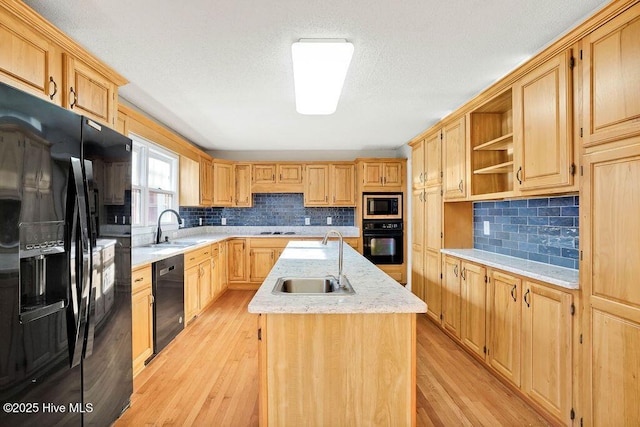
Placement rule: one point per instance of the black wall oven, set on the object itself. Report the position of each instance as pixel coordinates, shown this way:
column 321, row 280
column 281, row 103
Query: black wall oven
column 383, row 241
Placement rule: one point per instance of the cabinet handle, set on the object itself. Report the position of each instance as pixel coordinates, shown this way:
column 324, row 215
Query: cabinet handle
column 462, row 273
column 384, row 180
column 139, row 279
column 421, row 173
column 519, row 175
column 526, row 300
column 280, row 177
column 55, row 87
column 325, row 198
column 460, row 186
column 455, row 270
column 513, row 293
column 420, row 197
column 153, row 299
column 75, row 98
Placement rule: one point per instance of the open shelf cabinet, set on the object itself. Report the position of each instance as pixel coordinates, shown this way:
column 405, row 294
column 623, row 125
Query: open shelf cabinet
column 491, row 141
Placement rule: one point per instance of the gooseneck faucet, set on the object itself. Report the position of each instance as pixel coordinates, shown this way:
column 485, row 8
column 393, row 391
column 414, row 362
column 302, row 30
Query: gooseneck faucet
column 340, row 251
column 159, row 231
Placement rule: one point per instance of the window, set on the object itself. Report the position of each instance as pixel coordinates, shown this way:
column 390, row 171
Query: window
column 154, row 183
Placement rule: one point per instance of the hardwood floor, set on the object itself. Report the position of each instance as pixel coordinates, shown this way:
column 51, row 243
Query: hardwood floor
column 209, row 377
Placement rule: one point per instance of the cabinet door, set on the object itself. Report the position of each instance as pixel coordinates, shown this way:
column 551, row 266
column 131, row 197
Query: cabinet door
column 542, row 126
column 392, row 174
column 609, row 275
column 204, row 285
column 611, row 79
column 417, row 165
column 372, row 174
column 289, row 174
column 28, row 60
column 243, row 186
column 432, row 284
column 237, row 262
column 264, row 173
column 433, row 160
column 191, row 291
column 316, row 185
column 451, row 296
column 141, row 327
column 455, row 160
column 505, row 325
column 343, row 185
column 222, row 184
column 433, row 218
column 261, row 261
column 215, row 284
column 546, row 352
column 474, row 297
column 206, row 182
column 417, row 272
column 88, row 92
column 189, row 182
column 417, row 219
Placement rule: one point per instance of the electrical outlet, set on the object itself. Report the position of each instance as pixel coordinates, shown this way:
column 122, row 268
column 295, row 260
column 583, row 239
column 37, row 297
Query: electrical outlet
column 224, row 221
column 487, row 229
column 329, row 220
column 182, row 223
column 199, row 221
column 307, row 221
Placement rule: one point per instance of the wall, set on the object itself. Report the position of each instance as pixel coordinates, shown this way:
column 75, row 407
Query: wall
column 540, row 229
column 277, row 209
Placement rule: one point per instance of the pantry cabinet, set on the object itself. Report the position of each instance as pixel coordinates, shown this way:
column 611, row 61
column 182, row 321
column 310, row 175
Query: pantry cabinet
column 142, row 317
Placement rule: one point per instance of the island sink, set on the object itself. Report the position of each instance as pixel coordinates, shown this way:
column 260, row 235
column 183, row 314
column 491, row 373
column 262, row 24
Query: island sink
column 313, row 286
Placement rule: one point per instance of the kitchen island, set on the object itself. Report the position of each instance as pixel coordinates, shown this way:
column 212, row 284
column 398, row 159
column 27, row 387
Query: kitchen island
column 336, row 359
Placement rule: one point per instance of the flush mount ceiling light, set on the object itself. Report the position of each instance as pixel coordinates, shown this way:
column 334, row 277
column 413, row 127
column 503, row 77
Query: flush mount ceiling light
column 319, row 69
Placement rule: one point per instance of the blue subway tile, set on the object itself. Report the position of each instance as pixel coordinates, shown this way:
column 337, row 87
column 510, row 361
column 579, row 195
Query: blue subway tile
column 528, row 247
column 503, row 204
column 538, row 239
column 519, row 203
column 502, row 235
column 549, row 231
column 527, row 211
column 538, row 220
column 519, row 237
column 549, row 211
column 562, row 262
column 570, row 211
column 549, row 250
column 569, row 232
column 538, row 202
column 510, row 212
column 518, row 219
column 561, row 221
column 511, row 244
column 511, row 228
column 561, row 201
column 539, row 257
column 494, row 211
column 528, row 229
column 519, row 254
column 495, row 242
column 503, row 251
column 569, row 253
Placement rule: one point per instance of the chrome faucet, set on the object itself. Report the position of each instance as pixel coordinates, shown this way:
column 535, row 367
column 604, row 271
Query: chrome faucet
column 340, row 251
column 159, row 231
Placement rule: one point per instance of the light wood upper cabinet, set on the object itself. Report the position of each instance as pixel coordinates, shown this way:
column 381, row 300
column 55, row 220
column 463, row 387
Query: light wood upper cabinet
column 28, row 60
column 88, row 92
column 381, row 174
column 505, row 325
column 451, row 295
column 189, row 182
column 611, row 79
column 417, row 165
column 142, row 317
column 546, row 351
column 454, row 149
column 289, row 174
column 264, row 173
column 542, row 126
column 277, row 177
column 343, row 184
column 223, row 184
column 316, row 185
column 473, row 317
column 433, row 160
column 242, row 185
column 206, row 181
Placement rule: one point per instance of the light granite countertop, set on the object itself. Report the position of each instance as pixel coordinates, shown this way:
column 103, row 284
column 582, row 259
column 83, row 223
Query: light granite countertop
column 375, row 291
column 559, row 276
column 141, row 255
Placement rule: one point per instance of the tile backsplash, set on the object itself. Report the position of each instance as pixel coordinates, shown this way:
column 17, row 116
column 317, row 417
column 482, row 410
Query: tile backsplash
column 540, row 229
column 269, row 209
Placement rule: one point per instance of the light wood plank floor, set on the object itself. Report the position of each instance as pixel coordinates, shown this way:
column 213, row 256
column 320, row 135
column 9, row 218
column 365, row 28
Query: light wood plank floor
column 209, row 377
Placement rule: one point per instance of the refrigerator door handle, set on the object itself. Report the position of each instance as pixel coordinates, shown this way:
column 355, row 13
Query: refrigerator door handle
column 91, row 308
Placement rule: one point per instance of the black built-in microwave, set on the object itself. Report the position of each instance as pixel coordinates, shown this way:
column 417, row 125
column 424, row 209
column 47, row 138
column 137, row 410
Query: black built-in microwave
column 382, row 206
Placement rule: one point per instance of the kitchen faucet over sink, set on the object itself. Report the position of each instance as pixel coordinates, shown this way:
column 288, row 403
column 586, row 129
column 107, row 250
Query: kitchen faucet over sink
column 340, row 252
column 159, row 231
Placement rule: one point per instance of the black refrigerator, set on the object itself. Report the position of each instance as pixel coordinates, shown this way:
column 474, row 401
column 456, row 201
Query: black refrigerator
column 62, row 362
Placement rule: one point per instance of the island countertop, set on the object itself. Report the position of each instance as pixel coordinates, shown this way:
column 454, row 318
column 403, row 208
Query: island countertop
column 375, row 291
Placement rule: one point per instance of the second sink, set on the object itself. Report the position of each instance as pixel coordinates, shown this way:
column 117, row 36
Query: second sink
column 312, row 285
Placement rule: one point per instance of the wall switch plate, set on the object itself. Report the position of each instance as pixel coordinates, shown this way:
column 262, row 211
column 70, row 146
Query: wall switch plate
column 224, row 221
column 200, row 221
column 307, row 221
column 487, row 229
column 329, row 220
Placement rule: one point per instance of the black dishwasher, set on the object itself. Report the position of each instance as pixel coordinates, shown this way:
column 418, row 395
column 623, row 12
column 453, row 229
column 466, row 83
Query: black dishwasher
column 168, row 295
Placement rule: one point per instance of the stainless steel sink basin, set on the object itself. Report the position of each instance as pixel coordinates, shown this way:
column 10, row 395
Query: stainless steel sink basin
column 312, row 286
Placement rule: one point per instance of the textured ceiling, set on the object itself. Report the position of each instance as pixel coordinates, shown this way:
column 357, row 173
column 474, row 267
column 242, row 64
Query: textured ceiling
column 219, row 72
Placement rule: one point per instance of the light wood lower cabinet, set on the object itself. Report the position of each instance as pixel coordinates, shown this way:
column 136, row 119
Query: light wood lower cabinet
column 505, row 325
column 451, row 296
column 519, row 328
column 309, row 380
column 261, row 261
column 237, row 260
column 197, row 281
column 142, row 317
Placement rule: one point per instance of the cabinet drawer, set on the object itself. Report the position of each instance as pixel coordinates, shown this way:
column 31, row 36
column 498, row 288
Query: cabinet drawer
column 108, row 253
column 195, row 257
column 140, row 278
column 215, row 249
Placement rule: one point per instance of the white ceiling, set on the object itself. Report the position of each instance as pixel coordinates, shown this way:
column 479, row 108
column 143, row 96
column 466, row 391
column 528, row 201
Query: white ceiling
column 219, row 71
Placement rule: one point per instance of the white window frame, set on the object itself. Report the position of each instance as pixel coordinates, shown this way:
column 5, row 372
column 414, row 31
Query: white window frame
column 146, row 150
